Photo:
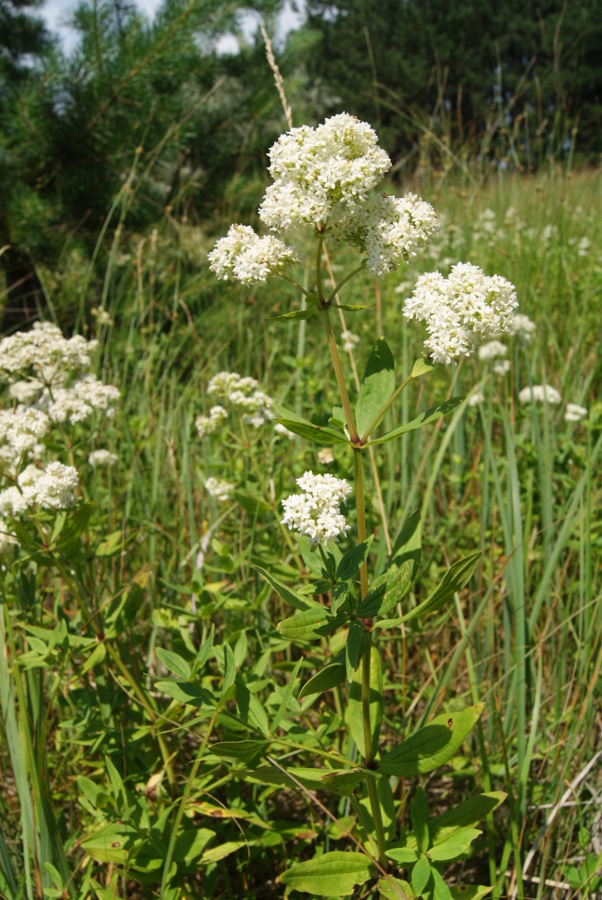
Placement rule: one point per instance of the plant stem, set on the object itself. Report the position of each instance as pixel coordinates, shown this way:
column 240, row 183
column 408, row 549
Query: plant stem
column 338, row 370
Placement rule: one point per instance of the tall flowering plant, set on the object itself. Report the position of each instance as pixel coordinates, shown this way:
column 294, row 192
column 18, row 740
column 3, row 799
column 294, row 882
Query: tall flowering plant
column 323, row 182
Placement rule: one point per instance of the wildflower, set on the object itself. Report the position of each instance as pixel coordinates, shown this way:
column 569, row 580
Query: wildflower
column 325, row 456
column 317, row 169
column 248, row 257
column 461, row 310
column 78, row 402
column 219, row 490
column 316, row 512
column 475, row 398
column 25, row 391
column 279, row 428
column 102, row 458
column 574, row 412
column 540, row 393
column 45, row 351
column 501, row 367
column 208, row 424
column 243, row 393
column 523, row 327
column 53, row 487
column 23, row 428
column 349, row 341
column 492, row 350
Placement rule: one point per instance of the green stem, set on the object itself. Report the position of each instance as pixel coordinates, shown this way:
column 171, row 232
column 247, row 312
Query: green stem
column 338, row 369
column 386, row 407
column 347, row 278
column 319, row 270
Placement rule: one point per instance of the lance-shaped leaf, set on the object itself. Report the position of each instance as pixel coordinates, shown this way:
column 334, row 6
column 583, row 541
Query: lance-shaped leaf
column 390, row 587
column 308, row 778
column 241, row 751
column 287, row 593
column 354, row 559
column 330, row 875
column 454, row 579
column 184, row 692
column 378, row 385
column 431, row 746
column 353, row 713
column 174, row 662
column 422, row 367
column 466, row 815
column 395, row 888
column 357, row 644
column 425, row 418
column 310, row 625
column 328, row 677
column 456, row 845
column 343, row 784
column 295, row 314
column 316, row 433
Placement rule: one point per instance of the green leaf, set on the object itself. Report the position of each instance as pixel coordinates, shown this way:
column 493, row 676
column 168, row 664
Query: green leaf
column 425, row 418
column 454, row 579
column 378, row 385
column 328, row 677
column 286, row 696
column 343, row 784
column 221, row 851
column 390, row 588
column 456, row 845
column 465, row 815
column 357, row 644
column 184, row 692
column 353, row 713
column 422, row 367
column 469, row 891
column 250, row 709
column 395, row 889
column 330, row 875
column 440, row 889
column 405, row 856
column 316, row 433
column 110, row 844
column 310, row 625
column 123, row 609
column 174, row 662
column 309, row 778
column 421, row 874
column 295, row 314
column 419, row 814
column 229, row 669
column 356, row 307
column 190, row 844
column 289, row 595
column 96, row 657
column 241, row 751
column 353, row 560
column 431, row 746
column 205, row 652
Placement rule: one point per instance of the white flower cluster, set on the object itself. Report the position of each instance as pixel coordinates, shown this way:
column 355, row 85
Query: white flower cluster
column 51, row 488
column 349, row 340
column 248, row 257
column 208, row 424
column 284, row 431
column 243, row 393
column 78, row 402
column 492, row 350
column 523, row 327
column 23, row 428
column 316, row 512
column 45, row 351
column 102, row 458
column 388, row 229
column 219, row 490
column 574, row 412
column 461, row 310
column 540, row 393
column 314, row 169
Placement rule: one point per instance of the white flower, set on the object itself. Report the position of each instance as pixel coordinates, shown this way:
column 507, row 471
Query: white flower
column 248, row 257
column 492, row 350
column 208, row 424
column 325, row 456
column 102, row 458
column 523, row 327
column 13, row 502
column 574, row 412
column 540, row 393
column 244, row 394
column 461, row 310
column 23, row 428
column 219, row 490
column 222, row 384
column 316, row 512
column 584, row 246
column 316, row 169
column 46, row 352
column 388, row 229
column 279, row 428
column 349, row 340
column 78, row 402
column 25, row 391
column 501, row 367
column 475, row 398
column 53, row 488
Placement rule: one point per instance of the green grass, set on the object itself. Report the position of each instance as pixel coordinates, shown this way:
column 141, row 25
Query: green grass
column 517, row 482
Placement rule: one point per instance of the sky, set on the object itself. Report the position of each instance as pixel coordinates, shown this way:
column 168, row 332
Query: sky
column 56, row 13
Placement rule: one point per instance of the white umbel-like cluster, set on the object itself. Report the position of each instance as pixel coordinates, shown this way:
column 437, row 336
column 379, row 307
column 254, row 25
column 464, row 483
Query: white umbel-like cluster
column 244, row 394
column 461, row 310
column 248, row 258
column 540, row 393
column 23, row 428
column 314, row 169
column 51, row 488
column 316, row 512
column 102, row 458
column 574, row 412
column 206, row 425
column 219, row 490
column 492, row 350
column 45, row 351
column 523, row 327
column 78, row 402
